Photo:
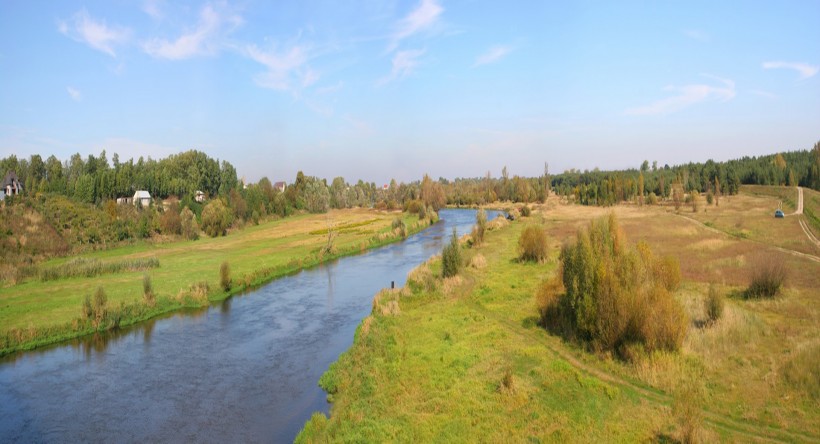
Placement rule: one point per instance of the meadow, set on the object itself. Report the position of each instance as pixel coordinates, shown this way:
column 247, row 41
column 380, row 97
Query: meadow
column 464, row 359
column 48, row 305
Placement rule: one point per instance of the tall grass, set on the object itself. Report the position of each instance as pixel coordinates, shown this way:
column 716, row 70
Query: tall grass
column 225, row 276
column 82, row 267
column 451, row 257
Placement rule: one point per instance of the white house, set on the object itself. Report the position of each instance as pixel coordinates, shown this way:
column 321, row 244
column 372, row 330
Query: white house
column 11, row 185
column 199, row 196
column 142, row 198
column 280, row 186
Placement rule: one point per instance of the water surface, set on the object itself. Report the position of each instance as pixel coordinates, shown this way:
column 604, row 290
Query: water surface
column 245, row 370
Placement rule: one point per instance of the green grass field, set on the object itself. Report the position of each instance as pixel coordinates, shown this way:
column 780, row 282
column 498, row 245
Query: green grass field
column 255, row 254
column 466, row 361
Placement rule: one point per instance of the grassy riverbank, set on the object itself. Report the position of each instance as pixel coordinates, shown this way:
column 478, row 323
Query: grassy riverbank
column 463, row 359
column 38, row 311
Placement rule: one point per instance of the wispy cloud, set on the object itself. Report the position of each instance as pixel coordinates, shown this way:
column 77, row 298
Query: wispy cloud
column 96, row 34
column 285, row 69
column 686, row 96
column 330, row 88
column 697, row 34
column 153, row 8
column 765, row 94
column 804, row 69
column 492, row 55
column 426, row 14
column 75, row 94
column 204, row 39
column 404, row 63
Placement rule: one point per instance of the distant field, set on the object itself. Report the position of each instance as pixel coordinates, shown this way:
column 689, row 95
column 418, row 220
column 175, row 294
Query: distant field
column 466, row 360
column 273, row 244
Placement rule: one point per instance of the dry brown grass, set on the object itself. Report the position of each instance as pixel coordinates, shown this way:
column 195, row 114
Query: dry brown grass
column 478, row 262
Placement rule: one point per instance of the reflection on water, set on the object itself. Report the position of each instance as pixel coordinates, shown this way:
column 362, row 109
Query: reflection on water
column 242, row 370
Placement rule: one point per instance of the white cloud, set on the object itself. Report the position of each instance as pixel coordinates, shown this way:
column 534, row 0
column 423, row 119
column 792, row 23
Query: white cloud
column 282, row 66
column 697, row 34
column 331, row 88
column 404, row 62
column 96, row 34
column 804, row 69
column 423, row 17
column 75, row 94
column 204, row 39
column 492, row 55
column 686, row 96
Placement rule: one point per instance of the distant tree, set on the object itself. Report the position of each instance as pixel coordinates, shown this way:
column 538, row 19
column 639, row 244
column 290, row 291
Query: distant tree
column 432, row 193
column 645, row 166
column 316, row 195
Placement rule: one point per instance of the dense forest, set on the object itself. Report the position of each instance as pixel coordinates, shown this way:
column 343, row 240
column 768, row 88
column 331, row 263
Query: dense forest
column 650, row 183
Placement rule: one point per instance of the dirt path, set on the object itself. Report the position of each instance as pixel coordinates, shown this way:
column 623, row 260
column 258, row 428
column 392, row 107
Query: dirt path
column 799, row 201
column 802, row 221
column 784, row 250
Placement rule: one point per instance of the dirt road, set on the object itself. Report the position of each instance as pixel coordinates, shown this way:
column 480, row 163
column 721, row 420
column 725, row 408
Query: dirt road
column 803, row 224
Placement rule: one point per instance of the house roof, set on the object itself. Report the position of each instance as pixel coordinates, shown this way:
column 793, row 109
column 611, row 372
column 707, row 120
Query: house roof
column 142, row 194
column 10, row 178
column 279, row 184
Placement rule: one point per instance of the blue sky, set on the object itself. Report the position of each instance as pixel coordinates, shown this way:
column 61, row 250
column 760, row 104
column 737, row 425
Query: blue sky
column 380, row 89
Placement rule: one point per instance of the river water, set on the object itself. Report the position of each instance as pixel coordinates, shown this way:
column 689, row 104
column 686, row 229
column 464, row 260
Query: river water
column 245, row 370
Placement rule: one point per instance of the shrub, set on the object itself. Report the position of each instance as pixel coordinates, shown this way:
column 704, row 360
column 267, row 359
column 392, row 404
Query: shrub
column 687, row 411
column 451, row 257
column 189, row 227
column 533, row 244
column 225, row 276
column 710, row 197
column 480, row 227
column 614, row 297
column 148, row 290
column 399, row 225
column 98, row 308
column 713, row 305
column 525, row 211
column 216, row 218
column 171, row 222
column 414, row 206
column 422, row 212
column 768, row 275
column 652, row 199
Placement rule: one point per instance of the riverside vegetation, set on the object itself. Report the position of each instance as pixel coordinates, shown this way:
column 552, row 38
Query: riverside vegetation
column 465, row 357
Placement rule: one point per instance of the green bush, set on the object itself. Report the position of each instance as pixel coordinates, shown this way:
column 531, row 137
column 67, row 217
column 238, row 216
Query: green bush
column 533, row 244
column 525, row 211
column 189, row 226
column 98, row 306
column 713, row 305
column 451, row 257
column 615, row 297
column 216, row 218
column 225, row 276
column 768, row 275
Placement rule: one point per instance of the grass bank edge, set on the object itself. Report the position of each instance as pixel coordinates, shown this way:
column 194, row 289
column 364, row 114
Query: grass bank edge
column 25, row 339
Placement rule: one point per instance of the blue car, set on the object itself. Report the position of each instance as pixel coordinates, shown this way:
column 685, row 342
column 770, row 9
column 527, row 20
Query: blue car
column 779, row 213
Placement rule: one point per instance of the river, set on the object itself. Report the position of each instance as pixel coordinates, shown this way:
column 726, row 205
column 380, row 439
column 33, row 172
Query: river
column 244, row 370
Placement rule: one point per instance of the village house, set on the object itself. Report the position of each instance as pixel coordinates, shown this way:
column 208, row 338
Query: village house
column 11, row 185
column 142, row 198
column 280, row 186
column 124, row 200
column 199, row 196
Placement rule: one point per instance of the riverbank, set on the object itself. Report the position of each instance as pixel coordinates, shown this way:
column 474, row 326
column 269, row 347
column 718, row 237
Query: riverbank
column 463, row 359
column 36, row 312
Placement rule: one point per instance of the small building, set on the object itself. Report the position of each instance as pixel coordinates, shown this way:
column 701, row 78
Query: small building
column 11, row 185
column 280, row 186
column 142, row 198
column 199, row 196
column 124, row 200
